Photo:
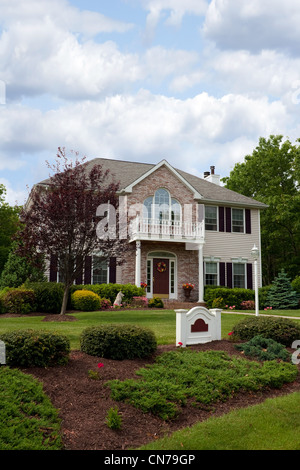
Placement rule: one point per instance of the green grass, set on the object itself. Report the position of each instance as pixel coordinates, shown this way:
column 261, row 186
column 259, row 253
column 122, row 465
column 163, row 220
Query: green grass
column 271, row 425
column 282, row 313
column 162, row 322
column 28, row 420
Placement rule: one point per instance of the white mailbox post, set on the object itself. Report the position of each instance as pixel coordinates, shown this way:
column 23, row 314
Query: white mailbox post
column 197, row 326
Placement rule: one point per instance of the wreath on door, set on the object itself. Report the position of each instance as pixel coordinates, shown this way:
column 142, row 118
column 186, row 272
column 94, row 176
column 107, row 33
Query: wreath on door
column 161, row 267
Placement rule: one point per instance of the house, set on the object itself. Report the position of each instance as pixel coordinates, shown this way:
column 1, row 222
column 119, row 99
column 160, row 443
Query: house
column 185, row 229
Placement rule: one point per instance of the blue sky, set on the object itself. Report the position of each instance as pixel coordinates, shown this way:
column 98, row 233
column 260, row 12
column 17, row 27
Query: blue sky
column 195, row 82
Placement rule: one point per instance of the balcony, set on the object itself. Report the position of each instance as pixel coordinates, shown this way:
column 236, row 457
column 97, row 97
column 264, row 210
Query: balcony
column 166, row 230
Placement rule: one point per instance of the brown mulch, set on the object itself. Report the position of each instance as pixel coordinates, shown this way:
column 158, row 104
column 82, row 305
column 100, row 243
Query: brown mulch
column 83, row 402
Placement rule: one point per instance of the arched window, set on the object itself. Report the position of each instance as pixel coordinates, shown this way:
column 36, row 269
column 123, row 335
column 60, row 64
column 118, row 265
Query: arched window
column 162, row 207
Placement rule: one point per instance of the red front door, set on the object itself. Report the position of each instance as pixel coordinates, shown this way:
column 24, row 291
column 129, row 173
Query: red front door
column 161, row 277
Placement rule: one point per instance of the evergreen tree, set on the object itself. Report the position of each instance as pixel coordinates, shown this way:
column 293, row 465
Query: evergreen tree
column 18, row 269
column 281, row 294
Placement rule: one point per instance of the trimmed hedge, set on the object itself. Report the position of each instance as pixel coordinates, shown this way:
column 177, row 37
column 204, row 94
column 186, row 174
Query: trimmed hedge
column 110, row 291
column 235, row 296
column 282, row 330
column 17, row 300
column 118, row 341
column 28, row 348
column 49, row 296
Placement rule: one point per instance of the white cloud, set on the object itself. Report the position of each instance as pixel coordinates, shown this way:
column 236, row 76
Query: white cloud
column 146, row 127
column 175, row 10
column 254, row 25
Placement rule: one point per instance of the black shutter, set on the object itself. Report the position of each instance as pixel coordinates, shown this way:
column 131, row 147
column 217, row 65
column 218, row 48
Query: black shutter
column 228, row 219
column 248, row 220
column 222, row 274
column 79, row 278
column 249, row 276
column 53, row 268
column 88, row 270
column 221, row 219
column 229, row 274
column 113, row 270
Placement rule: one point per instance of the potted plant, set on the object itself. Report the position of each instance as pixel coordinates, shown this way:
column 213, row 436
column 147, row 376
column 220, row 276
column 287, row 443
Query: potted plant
column 187, row 289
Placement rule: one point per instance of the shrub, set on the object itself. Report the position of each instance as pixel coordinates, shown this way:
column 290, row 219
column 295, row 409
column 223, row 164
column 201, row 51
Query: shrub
column 18, row 300
column 264, row 349
column 156, row 302
column 49, row 296
column 105, row 304
column 85, row 300
column 230, row 296
column 282, row 330
column 29, row 348
column 218, row 303
column 139, row 302
column 110, row 291
column 248, row 305
column 113, row 418
column 118, row 341
column 296, row 284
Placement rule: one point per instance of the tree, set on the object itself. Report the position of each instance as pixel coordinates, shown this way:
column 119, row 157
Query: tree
column 18, row 270
column 271, row 175
column 8, row 226
column 281, row 294
column 60, row 218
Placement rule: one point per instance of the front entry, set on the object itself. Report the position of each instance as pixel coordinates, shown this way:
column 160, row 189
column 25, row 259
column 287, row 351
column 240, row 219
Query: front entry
column 161, row 278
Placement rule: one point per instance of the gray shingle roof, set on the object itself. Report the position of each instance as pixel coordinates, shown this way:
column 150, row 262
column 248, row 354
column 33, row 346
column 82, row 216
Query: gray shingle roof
column 127, row 173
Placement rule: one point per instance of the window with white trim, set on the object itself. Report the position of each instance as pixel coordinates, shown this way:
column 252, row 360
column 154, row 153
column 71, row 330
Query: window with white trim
column 239, row 275
column 211, row 274
column 162, row 207
column 211, row 218
column 100, row 270
column 237, row 220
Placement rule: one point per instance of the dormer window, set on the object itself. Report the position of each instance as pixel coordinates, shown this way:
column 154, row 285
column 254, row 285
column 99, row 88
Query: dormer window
column 162, row 207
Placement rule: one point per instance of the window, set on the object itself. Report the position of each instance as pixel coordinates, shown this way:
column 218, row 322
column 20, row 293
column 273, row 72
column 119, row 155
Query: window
column 211, row 218
column 162, row 207
column 239, row 277
column 238, row 220
column 100, row 270
column 211, row 274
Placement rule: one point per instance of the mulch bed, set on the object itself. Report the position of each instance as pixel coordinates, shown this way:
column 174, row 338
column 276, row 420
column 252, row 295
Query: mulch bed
column 83, row 402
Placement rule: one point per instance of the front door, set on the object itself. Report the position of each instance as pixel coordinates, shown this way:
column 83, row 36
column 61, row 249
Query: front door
column 161, row 276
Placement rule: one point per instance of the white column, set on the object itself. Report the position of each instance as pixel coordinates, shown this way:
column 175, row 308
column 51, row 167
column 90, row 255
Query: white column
column 256, row 289
column 138, row 264
column 201, row 274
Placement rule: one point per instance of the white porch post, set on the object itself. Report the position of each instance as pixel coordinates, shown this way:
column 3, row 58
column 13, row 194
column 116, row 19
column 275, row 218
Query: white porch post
column 201, row 274
column 138, row 264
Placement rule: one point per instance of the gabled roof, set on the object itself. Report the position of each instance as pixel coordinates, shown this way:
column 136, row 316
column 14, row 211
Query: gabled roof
column 128, row 174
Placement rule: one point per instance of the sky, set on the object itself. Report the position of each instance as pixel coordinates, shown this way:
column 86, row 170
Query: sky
column 194, row 82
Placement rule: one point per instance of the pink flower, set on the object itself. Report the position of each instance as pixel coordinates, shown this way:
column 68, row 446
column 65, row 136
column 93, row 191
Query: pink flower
column 231, row 333
column 100, row 365
column 180, row 343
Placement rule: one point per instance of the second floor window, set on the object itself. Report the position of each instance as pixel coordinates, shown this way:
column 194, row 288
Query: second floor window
column 238, row 220
column 162, row 207
column 211, row 218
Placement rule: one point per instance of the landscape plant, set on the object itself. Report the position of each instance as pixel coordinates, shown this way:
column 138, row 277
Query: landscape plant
column 31, row 348
column 204, row 377
column 283, row 330
column 281, row 295
column 264, row 349
column 28, row 420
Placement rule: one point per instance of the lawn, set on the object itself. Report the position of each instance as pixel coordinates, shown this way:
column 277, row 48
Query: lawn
column 162, row 322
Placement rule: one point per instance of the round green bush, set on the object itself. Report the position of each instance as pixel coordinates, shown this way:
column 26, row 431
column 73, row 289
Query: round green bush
column 282, row 330
column 18, row 300
column 85, row 300
column 30, row 348
column 118, row 341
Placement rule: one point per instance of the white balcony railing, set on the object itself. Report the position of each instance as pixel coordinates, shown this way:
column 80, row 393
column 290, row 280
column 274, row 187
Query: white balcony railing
column 155, row 229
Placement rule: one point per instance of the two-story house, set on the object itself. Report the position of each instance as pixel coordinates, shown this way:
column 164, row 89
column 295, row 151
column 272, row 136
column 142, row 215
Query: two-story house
column 185, row 229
